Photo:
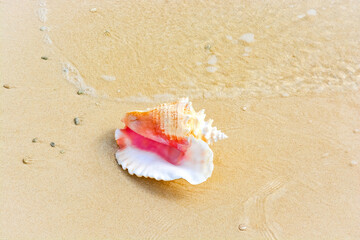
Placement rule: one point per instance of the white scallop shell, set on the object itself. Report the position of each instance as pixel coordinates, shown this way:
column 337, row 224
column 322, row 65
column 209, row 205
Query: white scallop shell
column 195, row 168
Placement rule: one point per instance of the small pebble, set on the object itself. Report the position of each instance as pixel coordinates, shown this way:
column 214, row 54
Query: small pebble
column 44, row 58
column 97, row 104
column 242, row 227
column 93, row 10
column 35, row 140
column 80, row 92
column 26, row 160
column 107, row 33
column 356, row 130
column 211, row 69
column 52, row 144
column 62, row 151
column 244, row 108
column 207, row 47
column 43, row 28
column 353, row 163
column 77, row 121
column 7, row 86
column 118, row 90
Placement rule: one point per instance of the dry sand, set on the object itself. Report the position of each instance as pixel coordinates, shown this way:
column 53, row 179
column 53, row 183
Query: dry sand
column 287, row 171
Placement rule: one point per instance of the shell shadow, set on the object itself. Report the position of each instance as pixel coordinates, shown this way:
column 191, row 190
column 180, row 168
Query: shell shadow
column 165, row 189
column 176, row 189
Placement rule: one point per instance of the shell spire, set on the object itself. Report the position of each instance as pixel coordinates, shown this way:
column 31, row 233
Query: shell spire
column 173, row 122
column 212, row 134
column 204, row 130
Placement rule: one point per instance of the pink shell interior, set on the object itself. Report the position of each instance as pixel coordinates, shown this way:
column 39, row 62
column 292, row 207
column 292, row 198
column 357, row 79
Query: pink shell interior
column 168, row 153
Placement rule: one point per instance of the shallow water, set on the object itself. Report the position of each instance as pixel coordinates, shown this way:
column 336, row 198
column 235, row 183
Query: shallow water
column 208, row 49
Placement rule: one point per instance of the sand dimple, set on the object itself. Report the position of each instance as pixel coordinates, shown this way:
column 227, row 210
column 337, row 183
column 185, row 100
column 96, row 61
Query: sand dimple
column 108, row 78
column 311, row 12
column 212, row 60
column 300, row 16
column 211, row 69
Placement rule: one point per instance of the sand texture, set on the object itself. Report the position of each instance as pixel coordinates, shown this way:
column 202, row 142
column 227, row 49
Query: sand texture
column 281, row 80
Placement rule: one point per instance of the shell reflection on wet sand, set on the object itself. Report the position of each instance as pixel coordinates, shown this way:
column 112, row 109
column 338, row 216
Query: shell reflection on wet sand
column 168, row 142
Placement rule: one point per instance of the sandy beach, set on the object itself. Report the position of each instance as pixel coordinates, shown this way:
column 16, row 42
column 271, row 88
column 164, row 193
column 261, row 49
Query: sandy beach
column 283, row 85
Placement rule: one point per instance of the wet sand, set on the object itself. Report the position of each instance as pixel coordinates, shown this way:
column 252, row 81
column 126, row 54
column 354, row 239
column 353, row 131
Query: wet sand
column 289, row 169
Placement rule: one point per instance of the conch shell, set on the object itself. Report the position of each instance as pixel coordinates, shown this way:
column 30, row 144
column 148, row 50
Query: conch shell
column 168, row 142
